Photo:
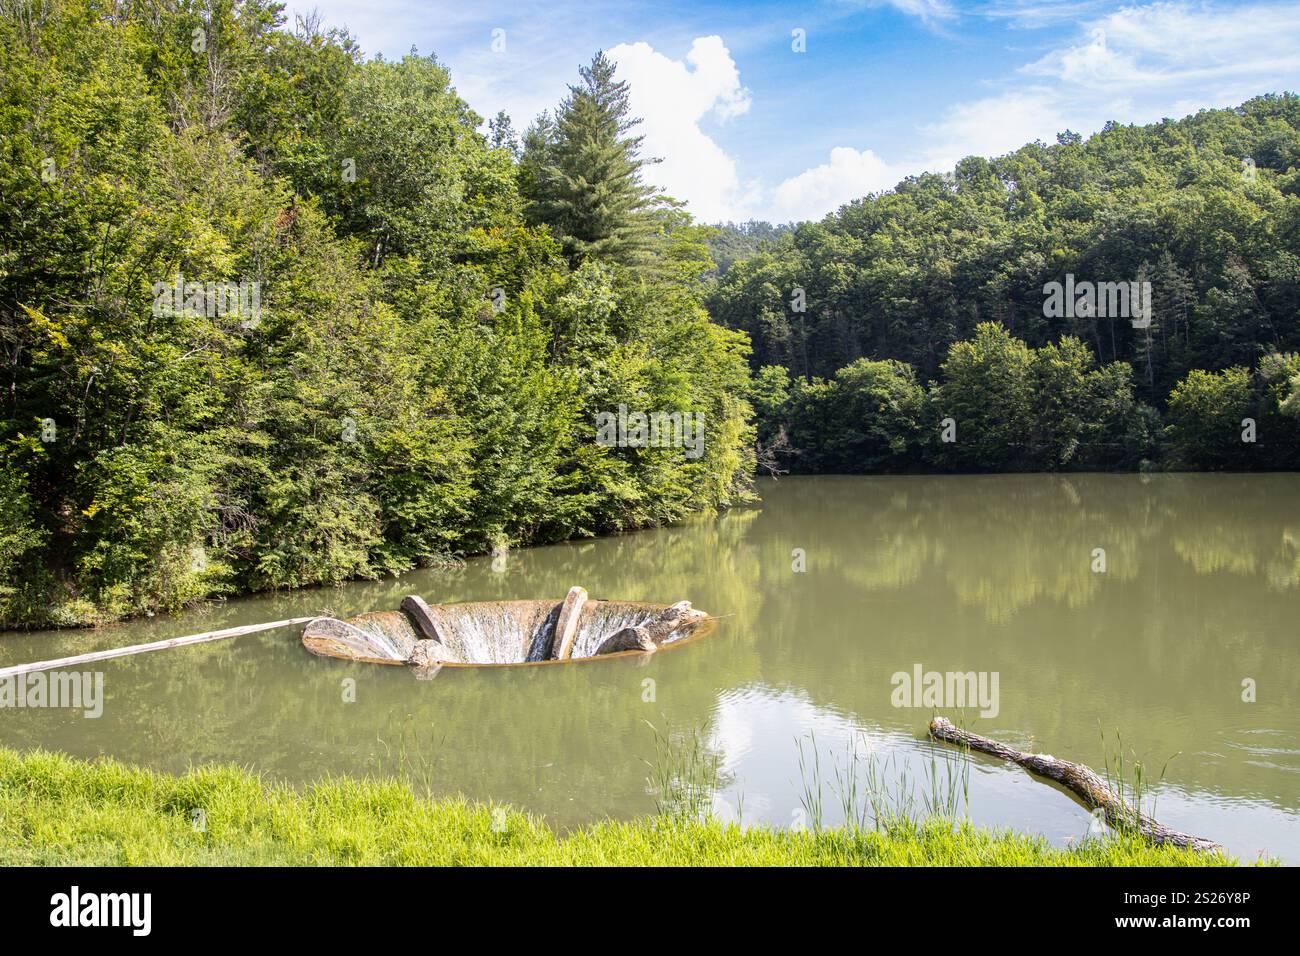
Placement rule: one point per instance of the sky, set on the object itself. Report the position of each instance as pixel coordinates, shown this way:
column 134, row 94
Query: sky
column 785, row 111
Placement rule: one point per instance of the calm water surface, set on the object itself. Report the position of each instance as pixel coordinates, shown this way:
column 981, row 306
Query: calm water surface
column 1201, row 591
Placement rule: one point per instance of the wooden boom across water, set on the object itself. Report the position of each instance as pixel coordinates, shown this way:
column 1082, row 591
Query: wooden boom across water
column 112, row 652
column 1090, row 788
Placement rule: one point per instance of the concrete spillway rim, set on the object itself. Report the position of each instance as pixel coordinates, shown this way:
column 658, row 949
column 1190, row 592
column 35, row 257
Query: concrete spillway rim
column 700, row 630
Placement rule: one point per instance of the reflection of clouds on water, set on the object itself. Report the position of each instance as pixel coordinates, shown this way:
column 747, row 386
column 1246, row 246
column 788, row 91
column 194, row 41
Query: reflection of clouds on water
column 725, row 811
column 756, row 718
column 755, row 730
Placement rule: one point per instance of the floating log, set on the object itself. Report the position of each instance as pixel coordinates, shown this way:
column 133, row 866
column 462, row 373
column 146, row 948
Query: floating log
column 628, row 639
column 566, row 627
column 1095, row 792
column 422, row 617
column 113, row 652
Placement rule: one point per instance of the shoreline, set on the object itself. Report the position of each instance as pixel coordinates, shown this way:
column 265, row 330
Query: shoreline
column 59, row 810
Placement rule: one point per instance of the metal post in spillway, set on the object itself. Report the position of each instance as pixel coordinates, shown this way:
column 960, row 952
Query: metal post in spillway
column 110, row 653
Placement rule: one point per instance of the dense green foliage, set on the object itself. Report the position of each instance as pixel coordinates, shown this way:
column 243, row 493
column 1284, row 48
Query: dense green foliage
column 1213, row 414
column 55, row 811
column 1206, row 209
column 1001, row 406
column 419, row 375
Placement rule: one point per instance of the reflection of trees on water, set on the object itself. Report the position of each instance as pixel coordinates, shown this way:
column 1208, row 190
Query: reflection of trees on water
column 1212, row 550
column 1254, row 529
column 1283, row 568
column 1157, row 645
column 1020, row 538
column 1025, row 538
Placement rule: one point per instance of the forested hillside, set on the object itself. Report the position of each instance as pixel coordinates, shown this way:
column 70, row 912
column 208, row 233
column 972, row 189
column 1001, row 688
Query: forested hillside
column 273, row 314
column 1205, row 209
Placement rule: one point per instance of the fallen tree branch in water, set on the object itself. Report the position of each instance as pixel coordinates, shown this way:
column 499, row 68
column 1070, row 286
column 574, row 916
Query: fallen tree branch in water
column 113, row 652
column 1095, row 792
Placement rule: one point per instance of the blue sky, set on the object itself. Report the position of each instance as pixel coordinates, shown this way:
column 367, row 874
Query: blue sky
column 750, row 128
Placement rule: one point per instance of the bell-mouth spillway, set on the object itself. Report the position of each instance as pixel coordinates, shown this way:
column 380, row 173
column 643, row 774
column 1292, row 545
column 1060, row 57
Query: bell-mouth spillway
column 506, row 633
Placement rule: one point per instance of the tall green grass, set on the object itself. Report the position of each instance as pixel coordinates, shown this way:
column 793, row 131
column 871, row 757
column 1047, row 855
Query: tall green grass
column 58, row 810
column 684, row 775
column 875, row 794
column 1128, row 776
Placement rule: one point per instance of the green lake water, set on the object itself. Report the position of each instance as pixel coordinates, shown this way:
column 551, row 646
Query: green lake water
column 1200, row 593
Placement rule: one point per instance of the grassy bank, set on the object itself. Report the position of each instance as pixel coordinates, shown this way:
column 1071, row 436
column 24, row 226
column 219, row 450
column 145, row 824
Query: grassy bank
column 57, row 810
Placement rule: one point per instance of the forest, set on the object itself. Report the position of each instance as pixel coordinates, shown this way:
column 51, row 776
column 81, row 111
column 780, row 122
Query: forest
column 930, row 302
column 440, row 315
column 275, row 314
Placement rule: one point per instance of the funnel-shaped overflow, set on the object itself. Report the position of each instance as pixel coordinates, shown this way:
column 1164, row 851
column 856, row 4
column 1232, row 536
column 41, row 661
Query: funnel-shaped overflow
column 486, row 633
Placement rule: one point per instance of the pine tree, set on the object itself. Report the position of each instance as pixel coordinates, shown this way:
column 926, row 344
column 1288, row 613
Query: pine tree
column 582, row 171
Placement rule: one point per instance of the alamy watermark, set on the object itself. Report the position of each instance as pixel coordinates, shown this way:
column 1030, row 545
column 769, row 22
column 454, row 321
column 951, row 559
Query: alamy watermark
column 624, row 429
column 57, row 690
column 1098, row 300
column 133, row 911
column 241, row 301
column 948, row 690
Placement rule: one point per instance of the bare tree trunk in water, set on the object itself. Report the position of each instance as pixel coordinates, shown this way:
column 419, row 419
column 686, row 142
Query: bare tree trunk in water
column 1090, row 788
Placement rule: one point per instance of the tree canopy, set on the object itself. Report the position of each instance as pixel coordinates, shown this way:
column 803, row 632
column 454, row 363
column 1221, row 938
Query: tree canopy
column 272, row 315
column 1205, row 211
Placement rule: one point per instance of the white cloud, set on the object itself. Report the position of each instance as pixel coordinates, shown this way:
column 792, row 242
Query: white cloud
column 992, row 126
column 1033, row 14
column 849, row 175
column 672, row 98
column 926, row 10
column 1137, row 64
column 1178, row 45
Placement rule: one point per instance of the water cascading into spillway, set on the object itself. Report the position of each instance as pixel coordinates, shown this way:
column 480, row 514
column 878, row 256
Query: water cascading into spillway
column 486, row 633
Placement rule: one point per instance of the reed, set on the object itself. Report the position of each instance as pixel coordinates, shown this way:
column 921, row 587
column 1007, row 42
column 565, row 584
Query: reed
column 873, row 793
column 684, row 775
column 413, row 753
column 1128, row 777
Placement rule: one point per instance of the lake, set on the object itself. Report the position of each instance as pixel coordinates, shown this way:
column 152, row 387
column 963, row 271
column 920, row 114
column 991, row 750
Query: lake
column 1154, row 607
